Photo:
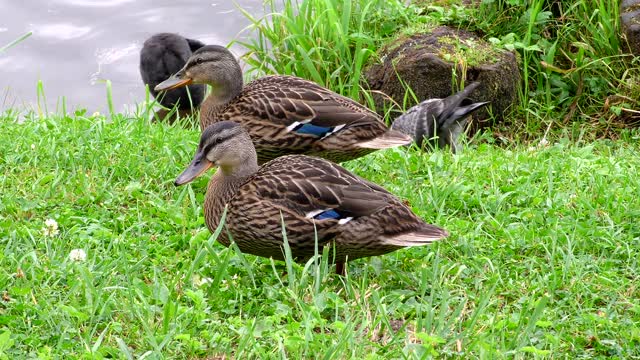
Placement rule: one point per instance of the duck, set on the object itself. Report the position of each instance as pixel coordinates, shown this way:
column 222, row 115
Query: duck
column 438, row 123
column 284, row 114
column 162, row 55
column 312, row 196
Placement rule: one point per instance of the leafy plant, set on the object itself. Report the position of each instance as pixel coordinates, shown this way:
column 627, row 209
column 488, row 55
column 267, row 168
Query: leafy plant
column 572, row 61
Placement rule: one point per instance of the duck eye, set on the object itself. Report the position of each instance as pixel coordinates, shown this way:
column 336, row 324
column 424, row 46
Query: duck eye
column 199, row 61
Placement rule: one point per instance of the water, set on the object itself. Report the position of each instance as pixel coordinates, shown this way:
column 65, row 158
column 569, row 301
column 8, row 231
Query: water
column 78, row 44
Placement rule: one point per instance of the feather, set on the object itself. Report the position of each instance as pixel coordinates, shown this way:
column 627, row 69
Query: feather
column 318, row 131
column 297, row 124
column 329, row 214
column 416, row 238
column 388, row 139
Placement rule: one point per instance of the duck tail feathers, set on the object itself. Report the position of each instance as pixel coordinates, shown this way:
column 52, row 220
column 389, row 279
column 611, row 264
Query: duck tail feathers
column 458, row 106
column 462, row 112
column 194, row 44
column 449, row 120
column 389, row 139
column 425, row 236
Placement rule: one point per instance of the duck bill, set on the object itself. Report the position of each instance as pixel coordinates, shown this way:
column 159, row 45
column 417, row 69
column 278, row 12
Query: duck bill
column 173, row 82
column 198, row 166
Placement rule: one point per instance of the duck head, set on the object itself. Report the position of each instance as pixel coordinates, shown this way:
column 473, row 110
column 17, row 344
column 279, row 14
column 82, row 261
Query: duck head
column 226, row 145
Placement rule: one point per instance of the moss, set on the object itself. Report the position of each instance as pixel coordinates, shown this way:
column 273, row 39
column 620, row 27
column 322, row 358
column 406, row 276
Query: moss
column 419, row 28
column 393, row 43
column 447, row 44
column 471, row 51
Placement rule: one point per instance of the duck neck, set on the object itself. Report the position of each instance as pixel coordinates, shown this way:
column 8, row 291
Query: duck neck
column 227, row 87
column 224, row 184
column 221, row 94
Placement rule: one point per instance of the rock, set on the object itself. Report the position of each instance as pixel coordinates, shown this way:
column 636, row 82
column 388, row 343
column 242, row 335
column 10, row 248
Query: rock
column 630, row 21
column 425, row 63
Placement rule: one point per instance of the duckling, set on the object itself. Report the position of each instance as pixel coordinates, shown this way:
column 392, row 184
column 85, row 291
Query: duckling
column 161, row 56
column 313, row 196
column 284, row 114
column 442, row 120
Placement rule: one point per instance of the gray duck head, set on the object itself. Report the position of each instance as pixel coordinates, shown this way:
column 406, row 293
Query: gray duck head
column 226, row 145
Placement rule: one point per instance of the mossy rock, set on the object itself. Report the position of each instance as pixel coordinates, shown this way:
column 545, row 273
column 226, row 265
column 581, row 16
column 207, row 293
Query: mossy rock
column 630, row 20
column 427, row 62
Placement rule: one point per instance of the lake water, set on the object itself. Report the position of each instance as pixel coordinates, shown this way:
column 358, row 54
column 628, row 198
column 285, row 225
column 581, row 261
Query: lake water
column 77, row 44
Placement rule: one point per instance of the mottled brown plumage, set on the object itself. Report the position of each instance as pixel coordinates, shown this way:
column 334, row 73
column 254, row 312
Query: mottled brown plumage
column 284, row 114
column 313, row 196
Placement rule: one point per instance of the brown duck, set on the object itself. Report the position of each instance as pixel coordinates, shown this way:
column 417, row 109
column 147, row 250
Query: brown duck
column 284, row 114
column 313, row 196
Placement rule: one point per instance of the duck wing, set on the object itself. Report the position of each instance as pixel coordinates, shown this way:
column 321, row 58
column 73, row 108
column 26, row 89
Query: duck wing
column 314, row 188
column 302, row 106
column 321, row 203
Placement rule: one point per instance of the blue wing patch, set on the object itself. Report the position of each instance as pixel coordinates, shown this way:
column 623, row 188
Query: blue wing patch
column 304, row 127
column 329, row 214
column 319, row 131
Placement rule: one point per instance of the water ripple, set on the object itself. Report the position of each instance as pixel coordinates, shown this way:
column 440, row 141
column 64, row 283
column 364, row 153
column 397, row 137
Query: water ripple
column 77, row 43
column 61, row 31
column 96, row 3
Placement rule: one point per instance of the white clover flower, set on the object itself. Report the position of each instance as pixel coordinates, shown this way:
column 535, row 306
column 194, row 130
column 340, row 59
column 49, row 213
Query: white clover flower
column 543, row 143
column 33, row 146
column 77, row 255
column 199, row 281
column 50, row 228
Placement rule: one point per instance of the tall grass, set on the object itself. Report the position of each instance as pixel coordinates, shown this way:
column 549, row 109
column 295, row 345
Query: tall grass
column 572, row 61
column 327, row 41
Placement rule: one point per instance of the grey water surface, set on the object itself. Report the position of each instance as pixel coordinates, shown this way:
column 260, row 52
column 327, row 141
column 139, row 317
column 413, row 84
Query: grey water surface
column 78, row 44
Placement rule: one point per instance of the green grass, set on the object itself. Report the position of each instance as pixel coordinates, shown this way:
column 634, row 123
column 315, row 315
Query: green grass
column 327, row 41
column 577, row 79
column 542, row 261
